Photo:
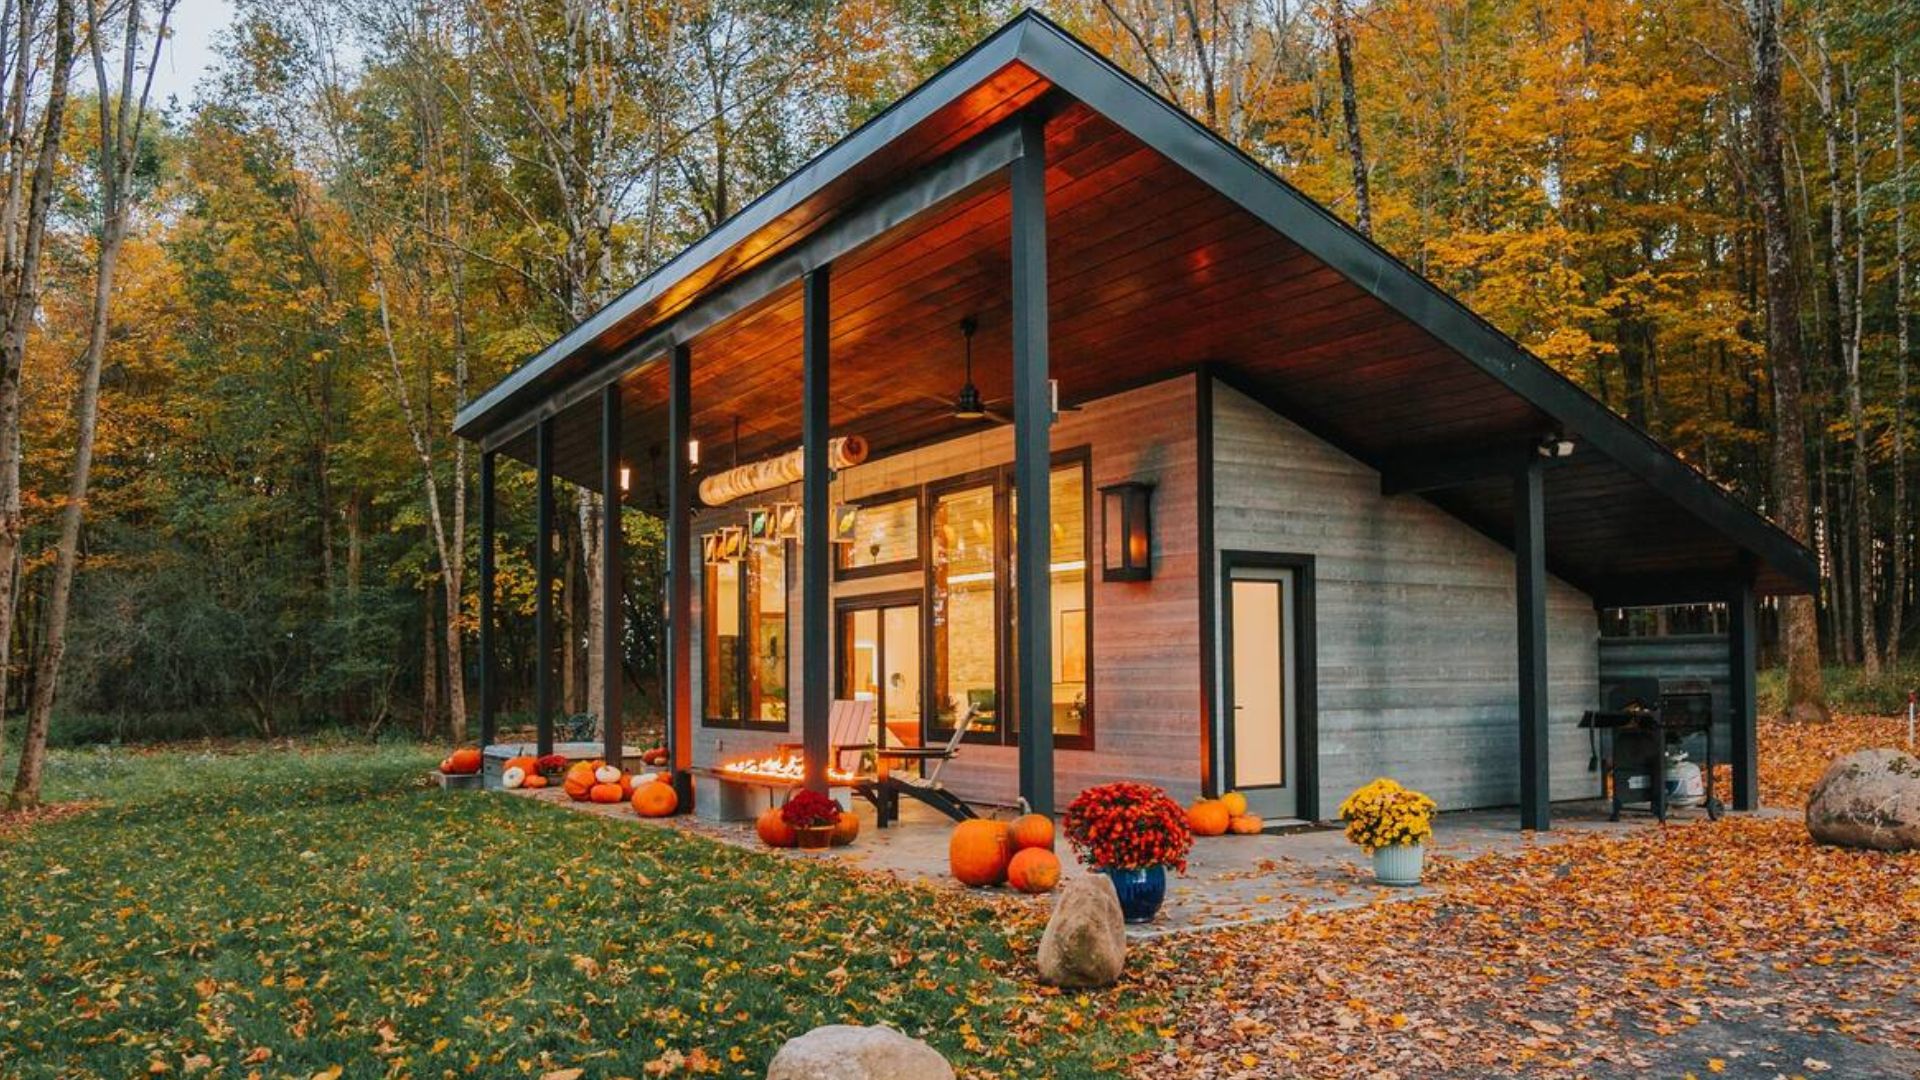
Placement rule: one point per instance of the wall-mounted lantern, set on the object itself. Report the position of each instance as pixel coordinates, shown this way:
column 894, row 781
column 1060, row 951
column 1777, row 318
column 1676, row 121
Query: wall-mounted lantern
column 1126, row 548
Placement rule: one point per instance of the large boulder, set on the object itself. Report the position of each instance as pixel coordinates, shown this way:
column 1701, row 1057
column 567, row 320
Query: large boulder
column 850, row 1052
column 1868, row 799
column 1085, row 944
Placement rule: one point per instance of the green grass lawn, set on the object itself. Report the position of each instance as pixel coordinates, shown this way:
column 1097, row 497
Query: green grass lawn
column 283, row 912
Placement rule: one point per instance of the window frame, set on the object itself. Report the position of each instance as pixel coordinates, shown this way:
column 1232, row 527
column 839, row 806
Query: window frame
column 843, row 572
column 743, row 662
column 1000, row 478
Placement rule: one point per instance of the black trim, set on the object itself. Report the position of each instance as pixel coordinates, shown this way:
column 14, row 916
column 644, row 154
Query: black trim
column 543, row 588
column 1530, row 625
column 489, row 647
column 1306, row 661
column 612, row 558
column 1744, row 737
column 816, row 556
column 1203, row 473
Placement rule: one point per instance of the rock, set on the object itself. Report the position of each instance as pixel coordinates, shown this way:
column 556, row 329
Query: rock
column 1868, row 799
column 851, row 1052
column 1085, row 944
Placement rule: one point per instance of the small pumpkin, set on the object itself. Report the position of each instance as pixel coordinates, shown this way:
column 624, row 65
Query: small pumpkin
column 512, row 776
column 579, row 780
column 979, row 850
column 655, row 799
column 534, row 780
column 1034, row 870
column 463, row 762
column 446, row 766
column 1208, row 817
column 606, row 774
column 528, row 765
column 1032, row 831
column 847, row 829
column 1245, row 824
column 1236, row 803
column 605, row 793
column 774, row 830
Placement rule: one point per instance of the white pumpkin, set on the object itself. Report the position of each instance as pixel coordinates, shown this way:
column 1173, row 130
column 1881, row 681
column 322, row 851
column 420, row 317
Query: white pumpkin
column 607, row 774
column 513, row 778
column 641, row 780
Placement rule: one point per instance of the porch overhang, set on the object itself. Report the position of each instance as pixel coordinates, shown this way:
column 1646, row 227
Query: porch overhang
column 1167, row 251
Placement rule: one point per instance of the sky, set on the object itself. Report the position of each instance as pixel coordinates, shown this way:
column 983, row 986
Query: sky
column 191, row 51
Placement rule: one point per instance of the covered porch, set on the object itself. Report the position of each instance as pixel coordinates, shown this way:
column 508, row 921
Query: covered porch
column 1101, row 242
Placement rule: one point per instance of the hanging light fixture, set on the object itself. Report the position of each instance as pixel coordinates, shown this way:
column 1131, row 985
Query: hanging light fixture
column 968, row 405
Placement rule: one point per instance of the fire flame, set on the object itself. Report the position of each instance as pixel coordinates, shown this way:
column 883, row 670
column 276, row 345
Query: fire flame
column 788, row 767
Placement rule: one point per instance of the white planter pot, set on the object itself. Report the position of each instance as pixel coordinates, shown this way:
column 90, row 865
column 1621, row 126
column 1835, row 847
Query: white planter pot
column 1400, row 864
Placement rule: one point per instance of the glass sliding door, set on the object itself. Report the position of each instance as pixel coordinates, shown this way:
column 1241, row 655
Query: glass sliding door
column 880, row 651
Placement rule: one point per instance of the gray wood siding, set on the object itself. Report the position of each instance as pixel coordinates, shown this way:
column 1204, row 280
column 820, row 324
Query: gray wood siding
column 1416, row 635
column 1145, row 655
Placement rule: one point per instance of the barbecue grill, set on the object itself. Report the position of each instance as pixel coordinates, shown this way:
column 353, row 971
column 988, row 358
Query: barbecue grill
column 1642, row 721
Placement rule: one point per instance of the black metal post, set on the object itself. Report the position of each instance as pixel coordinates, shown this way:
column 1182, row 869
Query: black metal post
column 489, row 673
column 1530, row 602
column 543, row 587
column 612, row 553
column 816, row 686
column 1745, row 736
column 1032, row 469
column 680, row 574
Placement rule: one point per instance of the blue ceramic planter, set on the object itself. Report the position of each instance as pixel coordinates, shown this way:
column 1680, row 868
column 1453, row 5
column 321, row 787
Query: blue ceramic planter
column 1141, row 892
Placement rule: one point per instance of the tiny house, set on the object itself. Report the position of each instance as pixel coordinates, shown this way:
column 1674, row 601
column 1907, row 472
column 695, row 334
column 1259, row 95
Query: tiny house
column 1049, row 424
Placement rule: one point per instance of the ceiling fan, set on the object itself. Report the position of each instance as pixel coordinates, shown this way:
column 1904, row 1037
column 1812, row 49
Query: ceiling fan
column 968, row 404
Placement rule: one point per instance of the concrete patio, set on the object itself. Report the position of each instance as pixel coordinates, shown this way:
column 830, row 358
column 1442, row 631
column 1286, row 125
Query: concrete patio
column 1229, row 879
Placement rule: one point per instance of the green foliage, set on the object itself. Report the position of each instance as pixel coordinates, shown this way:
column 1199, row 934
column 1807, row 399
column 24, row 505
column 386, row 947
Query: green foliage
column 321, row 906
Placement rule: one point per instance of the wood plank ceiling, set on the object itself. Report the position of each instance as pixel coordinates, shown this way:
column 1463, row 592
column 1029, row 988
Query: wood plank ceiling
column 1150, row 273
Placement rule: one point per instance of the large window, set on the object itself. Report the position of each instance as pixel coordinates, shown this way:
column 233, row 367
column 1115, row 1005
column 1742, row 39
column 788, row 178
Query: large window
column 966, row 643
column 971, row 596
column 886, row 538
column 745, row 651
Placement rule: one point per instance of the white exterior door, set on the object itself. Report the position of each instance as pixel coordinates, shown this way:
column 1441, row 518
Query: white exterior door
column 1260, row 689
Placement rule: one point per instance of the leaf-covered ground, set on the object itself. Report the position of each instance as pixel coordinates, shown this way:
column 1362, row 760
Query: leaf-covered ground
column 283, row 913
column 1733, row 949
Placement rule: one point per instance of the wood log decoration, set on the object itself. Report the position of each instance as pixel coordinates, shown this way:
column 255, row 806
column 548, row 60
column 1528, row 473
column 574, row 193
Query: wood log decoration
column 777, row 472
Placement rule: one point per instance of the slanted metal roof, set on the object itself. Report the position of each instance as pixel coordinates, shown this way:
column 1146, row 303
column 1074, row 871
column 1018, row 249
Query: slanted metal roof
column 1328, row 328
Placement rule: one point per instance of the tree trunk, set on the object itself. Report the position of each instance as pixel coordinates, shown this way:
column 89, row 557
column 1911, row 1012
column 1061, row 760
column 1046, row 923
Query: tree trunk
column 1350, row 108
column 1805, row 695
column 1897, row 586
column 20, row 280
column 1849, row 296
column 121, row 117
column 587, row 504
column 429, row 672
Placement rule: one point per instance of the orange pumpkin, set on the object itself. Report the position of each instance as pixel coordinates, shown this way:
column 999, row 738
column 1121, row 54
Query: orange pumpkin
column 1245, row 824
column 446, row 766
column 1034, row 870
column 1236, row 803
column 534, row 780
column 655, row 799
column 463, row 762
column 579, row 780
column 1032, row 831
column 604, row 793
column 528, row 765
column 774, row 830
column 1208, row 817
column 978, row 852
column 847, row 830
